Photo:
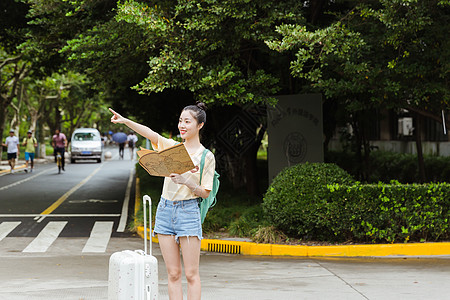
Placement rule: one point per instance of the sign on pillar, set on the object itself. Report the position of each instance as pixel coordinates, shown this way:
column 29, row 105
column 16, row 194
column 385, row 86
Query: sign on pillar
column 295, row 132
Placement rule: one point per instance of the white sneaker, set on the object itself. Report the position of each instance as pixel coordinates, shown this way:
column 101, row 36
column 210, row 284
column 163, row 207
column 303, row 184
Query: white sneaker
column 12, row 171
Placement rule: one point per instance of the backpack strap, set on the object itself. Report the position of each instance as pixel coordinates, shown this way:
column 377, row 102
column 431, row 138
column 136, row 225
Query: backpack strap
column 202, row 164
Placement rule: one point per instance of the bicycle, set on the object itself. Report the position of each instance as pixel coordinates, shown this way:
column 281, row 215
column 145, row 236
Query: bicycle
column 59, row 162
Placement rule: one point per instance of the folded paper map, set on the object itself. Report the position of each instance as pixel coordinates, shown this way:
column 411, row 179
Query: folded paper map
column 174, row 159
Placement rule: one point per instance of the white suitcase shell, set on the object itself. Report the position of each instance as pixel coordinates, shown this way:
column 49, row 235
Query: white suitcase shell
column 134, row 274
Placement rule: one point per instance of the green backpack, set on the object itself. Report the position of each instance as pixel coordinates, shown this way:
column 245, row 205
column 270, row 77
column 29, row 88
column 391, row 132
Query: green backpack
column 207, row 203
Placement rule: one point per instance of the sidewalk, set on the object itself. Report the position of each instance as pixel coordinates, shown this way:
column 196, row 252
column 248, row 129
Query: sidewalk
column 244, row 277
column 61, row 275
column 20, row 164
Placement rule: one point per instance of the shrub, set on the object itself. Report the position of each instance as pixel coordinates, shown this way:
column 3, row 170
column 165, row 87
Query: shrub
column 320, row 202
column 294, row 201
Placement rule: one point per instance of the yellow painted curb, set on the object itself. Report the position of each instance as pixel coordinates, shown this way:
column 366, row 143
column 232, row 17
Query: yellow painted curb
column 249, row 248
column 16, row 168
column 137, row 197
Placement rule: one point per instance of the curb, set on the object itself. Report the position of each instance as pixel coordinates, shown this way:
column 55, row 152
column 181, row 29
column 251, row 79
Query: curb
column 250, row 248
column 15, row 168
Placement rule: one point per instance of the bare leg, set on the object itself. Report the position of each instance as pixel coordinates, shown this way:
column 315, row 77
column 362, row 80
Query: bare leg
column 12, row 163
column 190, row 247
column 171, row 254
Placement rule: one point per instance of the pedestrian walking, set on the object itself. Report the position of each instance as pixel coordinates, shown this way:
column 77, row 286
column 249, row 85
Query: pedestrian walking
column 120, row 138
column 177, row 221
column 30, row 144
column 59, row 143
column 132, row 139
column 13, row 150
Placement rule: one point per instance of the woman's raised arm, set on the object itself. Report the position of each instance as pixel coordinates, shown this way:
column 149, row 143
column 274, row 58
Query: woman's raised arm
column 139, row 128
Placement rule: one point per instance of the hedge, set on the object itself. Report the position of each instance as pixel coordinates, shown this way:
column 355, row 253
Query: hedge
column 305, row 202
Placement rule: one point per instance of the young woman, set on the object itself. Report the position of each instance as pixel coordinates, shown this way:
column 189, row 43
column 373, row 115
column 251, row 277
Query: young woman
column 178, row 223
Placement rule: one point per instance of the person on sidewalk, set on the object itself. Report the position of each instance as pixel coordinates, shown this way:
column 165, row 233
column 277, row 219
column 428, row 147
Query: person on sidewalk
column 59, row 143
column 12, row 142
column 178, row 222
column 132, row 139
column 30, row 144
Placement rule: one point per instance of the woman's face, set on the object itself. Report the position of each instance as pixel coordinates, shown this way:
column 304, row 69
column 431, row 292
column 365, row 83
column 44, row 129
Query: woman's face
column 188, row 126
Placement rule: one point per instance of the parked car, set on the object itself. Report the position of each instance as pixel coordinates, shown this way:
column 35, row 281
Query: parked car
column 86, row 143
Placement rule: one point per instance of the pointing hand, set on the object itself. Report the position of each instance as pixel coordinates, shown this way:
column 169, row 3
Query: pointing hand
column 116, row 118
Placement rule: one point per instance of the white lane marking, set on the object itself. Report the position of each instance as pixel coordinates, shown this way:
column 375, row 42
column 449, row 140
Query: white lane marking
column 46, row 237
column 99, row 238
column 57, row 215
column 6, row 228
column 124, row 215
column 23, row 180
column 92, row 201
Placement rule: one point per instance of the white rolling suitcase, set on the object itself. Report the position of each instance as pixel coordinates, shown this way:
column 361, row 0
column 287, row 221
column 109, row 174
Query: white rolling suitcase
column 134, row 274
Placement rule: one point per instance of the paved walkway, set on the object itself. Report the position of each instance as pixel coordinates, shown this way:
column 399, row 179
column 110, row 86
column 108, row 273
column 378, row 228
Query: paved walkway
column 62, row 275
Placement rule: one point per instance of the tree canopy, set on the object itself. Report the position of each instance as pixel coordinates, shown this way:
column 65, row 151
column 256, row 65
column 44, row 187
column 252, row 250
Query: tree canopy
column 147, row 57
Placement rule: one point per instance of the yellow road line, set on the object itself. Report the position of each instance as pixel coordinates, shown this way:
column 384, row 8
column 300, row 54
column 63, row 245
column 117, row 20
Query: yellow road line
column 58, row 202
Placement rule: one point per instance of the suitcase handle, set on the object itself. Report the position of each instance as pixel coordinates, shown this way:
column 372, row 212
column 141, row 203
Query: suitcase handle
column 147, row 198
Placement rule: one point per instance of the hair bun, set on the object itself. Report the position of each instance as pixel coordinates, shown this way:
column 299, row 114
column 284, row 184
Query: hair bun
column 201, row 105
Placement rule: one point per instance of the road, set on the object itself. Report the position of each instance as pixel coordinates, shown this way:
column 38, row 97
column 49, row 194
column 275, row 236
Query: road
column 86, row 196
column 57, row 231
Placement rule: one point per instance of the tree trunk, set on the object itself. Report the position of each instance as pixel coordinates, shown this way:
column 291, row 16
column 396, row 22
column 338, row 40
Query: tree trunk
column 41, row 139
column 420, row 161
column 357, row 145
column 2, row 123
column 237, row 146
column 251, row 171
column 316, row 10
column 15, row 121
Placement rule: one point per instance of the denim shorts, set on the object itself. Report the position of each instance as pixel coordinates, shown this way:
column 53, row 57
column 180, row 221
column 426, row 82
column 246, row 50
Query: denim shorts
column 178, row 218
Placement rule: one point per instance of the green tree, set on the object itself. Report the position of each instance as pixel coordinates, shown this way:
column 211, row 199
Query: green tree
column 212, row 51
column 13, row 69
column 376, row 54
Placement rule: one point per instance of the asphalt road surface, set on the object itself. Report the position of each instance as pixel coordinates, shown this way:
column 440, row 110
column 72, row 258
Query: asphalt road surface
column 88, row 199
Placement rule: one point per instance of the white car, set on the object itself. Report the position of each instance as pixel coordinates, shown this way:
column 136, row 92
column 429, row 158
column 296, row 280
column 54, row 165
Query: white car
column 86, row 143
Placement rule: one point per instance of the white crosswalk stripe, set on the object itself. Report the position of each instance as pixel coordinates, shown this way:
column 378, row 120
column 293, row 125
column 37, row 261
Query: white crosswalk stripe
column 46, row 237
column 99, row 238
column 6, row 228
column 97, row 242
